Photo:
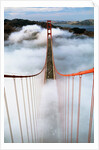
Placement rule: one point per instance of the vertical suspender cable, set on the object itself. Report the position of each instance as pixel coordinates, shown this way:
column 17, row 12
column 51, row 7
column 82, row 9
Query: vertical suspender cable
column 32, row 108
column 72, row 107
column 25, row 110
column 65, row 104
column 8, row 116
column 29, row 109
column 18, row 109
column 68, row 114
column 79, row 97
column 36, row 112
column 91, row 112
column 59, row 98
column 58, row 91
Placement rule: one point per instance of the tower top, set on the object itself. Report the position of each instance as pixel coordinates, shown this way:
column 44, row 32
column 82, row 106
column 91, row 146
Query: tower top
column 49, row 21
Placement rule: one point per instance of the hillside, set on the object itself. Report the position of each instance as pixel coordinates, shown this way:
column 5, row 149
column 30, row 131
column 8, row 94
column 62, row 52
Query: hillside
column 84, row 22
column 16, row 24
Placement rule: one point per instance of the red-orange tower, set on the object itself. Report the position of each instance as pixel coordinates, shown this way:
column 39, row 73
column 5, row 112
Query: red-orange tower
column 50, row 64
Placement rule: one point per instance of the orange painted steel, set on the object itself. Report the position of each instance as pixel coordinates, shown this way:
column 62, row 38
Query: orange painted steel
column 25, row 110
column 79, row 97
column 28, row 98
column 91, row 112
column 65, row 106
column 76, row 74
column 68, row 114
column 32, row 106
column 49, row 28
column 26, row 76
column 59, row 92
column 49, row 35
column 72, row 74
column 18, row 110
column 8, row 115
column 72, row 107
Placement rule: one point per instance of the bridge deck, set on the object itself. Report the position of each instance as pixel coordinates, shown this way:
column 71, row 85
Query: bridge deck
column 50, row 68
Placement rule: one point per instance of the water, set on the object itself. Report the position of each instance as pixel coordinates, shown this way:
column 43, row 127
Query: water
column 88, row 28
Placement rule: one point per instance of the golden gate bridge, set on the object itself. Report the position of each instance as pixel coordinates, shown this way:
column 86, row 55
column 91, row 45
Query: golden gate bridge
column 29, row 90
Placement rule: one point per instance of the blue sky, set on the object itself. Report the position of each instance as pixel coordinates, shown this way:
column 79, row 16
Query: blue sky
column 50, row 13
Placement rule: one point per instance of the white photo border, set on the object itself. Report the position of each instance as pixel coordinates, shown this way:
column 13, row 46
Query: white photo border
column 49, row 3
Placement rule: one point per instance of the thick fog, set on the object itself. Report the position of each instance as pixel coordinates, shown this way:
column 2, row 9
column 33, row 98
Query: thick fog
column 25, row 53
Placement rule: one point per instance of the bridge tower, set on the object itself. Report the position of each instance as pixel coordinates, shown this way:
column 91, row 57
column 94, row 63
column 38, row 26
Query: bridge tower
column 50, row 72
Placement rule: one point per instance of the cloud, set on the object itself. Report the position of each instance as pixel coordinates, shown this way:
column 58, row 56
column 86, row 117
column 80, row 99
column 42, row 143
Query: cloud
column 52, row 13
column 25, row 53
column 14, row 14
column 30, row 9
column 65, row 47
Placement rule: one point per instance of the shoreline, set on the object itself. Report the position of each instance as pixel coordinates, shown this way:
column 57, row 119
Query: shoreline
column 16, row 24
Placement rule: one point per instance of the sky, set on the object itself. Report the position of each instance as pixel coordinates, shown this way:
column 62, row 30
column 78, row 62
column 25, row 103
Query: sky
column 49, row 13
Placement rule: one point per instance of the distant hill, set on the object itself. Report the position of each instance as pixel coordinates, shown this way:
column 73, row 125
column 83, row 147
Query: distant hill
column 21, row 22
column 16, row 25
column 84, row 22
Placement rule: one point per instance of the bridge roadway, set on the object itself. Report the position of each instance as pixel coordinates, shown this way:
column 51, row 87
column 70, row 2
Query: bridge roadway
column 50, row 73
